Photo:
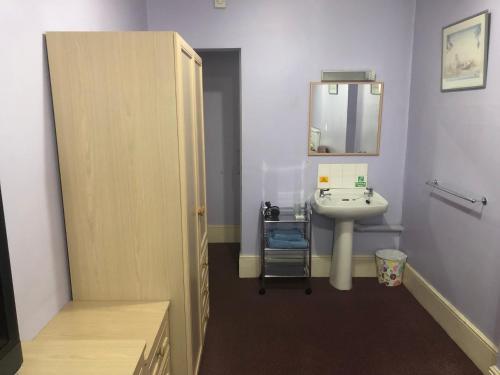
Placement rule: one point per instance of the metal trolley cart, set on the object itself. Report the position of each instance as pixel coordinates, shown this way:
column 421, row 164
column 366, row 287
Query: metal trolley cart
column 279, row 260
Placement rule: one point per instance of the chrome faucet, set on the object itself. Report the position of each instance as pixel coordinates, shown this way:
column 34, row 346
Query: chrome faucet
column 323, row 193
column 368, row 195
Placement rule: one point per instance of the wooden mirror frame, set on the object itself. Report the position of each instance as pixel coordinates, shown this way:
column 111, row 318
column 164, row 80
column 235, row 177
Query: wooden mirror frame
column 379, row 130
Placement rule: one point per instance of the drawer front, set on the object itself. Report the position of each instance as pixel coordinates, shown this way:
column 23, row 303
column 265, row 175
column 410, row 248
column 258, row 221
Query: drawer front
column 204, row 281
column 142, row 368
column 143, row 371
column 203, row 246
column 205, row 316
column 204, row 327
column 160, row 351
column 204, row 259
column 164, row 368
column 203, row 274
column 204, row 292
column 204, row 271
column 162, row 358
column 206, row 307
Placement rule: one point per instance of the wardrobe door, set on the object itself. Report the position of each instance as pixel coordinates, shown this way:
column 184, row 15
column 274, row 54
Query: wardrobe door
column 200, row 136
column 188, row 134
column 201, row 187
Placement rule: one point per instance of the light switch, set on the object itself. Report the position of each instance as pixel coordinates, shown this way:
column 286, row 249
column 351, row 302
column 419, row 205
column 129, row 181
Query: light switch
column 220, row 3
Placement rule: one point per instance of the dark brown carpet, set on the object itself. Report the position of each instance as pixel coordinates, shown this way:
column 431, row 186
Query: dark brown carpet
column 369, row 330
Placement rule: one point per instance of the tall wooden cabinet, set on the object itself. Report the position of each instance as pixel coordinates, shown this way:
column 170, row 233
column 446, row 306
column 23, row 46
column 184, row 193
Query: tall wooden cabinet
column 129, row 124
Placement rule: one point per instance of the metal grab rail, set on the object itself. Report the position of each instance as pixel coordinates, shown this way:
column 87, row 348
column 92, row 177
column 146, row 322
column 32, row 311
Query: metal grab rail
column 435, row 184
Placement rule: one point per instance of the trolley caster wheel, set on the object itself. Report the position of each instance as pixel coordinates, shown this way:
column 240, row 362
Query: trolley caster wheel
column 262, row 291
column 308, row 291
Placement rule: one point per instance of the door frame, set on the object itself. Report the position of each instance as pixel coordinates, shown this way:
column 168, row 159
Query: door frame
column 201, row 51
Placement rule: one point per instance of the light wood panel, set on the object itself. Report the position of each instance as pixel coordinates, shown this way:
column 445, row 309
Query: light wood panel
column 115, row 113
column 82, row 320
column 189, row 193
column 200, row 151
column 82, row 357
column 202, row 202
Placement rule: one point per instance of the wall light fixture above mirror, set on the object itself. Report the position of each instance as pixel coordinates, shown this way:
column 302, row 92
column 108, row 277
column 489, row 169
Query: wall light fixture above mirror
column 345, row 118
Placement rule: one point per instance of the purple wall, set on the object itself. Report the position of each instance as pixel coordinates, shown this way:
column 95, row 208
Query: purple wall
column 454, row 137
column 28, row 155
column 285, row 45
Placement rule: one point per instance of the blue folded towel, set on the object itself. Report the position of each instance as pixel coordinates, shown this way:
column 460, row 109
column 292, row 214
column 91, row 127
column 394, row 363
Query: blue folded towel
column 293, row 234
column 301, row 243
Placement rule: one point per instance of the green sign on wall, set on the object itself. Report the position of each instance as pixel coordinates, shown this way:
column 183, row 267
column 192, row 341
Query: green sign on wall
column 361, row 182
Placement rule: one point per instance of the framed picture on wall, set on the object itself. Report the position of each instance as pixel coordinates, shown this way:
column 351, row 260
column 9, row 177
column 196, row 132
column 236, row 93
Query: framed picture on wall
column 464, row 58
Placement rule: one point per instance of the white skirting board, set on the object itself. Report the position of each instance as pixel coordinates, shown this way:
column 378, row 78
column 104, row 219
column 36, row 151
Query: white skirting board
column 465, row 334
column 494, row 370
column 223, row 233
column 363, row 266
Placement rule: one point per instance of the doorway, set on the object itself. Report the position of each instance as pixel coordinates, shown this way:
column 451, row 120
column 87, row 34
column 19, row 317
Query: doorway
column 222, row 117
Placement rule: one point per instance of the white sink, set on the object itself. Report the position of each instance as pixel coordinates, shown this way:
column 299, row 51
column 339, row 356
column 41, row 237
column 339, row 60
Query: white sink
column 345, row 206
column 349, row 204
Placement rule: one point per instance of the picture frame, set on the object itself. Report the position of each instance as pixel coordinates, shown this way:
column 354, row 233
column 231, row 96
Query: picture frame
column 333, row 89
column 464, row 53
column 376, row 88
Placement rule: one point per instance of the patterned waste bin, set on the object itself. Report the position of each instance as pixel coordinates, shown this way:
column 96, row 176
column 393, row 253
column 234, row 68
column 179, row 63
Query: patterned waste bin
column 390, row 266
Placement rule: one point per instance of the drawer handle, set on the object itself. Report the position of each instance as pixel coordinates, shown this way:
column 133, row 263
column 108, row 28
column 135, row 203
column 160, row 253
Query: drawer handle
column 164, row 347
column 201, row 211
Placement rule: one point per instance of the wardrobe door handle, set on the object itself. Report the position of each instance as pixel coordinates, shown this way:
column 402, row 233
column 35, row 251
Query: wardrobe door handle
column 201, row 211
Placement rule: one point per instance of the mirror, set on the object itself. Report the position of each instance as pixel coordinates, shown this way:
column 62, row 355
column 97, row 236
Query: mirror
column 345, row 118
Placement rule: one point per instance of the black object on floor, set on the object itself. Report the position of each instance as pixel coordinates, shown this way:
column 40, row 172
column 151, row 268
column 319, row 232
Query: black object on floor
column 371, row 329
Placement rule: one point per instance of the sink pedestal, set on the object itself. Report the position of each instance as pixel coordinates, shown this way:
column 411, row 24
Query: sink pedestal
column 341, row 268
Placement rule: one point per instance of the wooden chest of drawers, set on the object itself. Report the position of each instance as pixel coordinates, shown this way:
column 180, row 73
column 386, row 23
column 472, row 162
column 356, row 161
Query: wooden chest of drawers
column 107, row 326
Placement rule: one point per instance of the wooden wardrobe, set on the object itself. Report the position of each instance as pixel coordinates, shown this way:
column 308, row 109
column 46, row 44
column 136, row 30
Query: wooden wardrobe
column 129, row 123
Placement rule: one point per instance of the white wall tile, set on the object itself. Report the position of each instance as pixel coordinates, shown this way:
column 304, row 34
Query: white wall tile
column 342, row 176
